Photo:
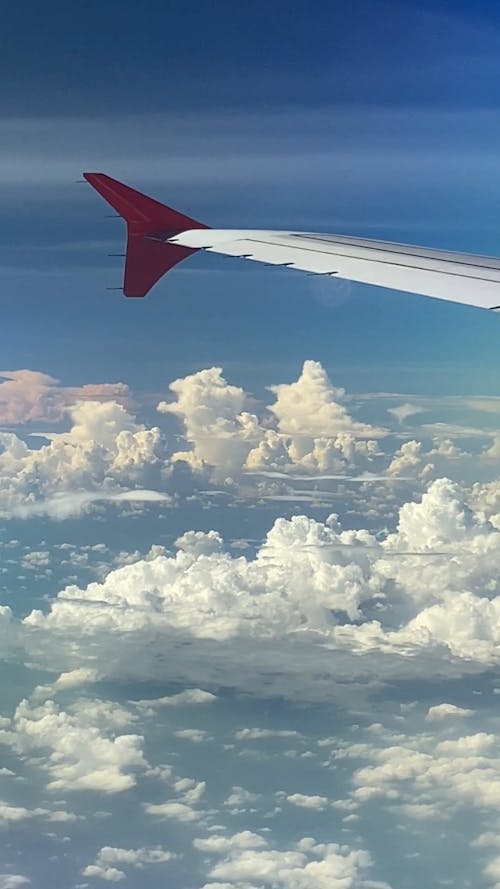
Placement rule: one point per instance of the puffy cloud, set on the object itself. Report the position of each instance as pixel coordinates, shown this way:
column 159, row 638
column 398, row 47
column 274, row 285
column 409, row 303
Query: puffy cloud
column 109, row 856
column 408, row 460
column 307, row 865
column 173, row 809
column 443, row 711
column 296, row 579
column 485, row 500
column 246, row 839
column 111, row 874
column 426, row 775
column 10, row 814
column 311, row 406
column 30, row 396
column 304, row 801
column 13, row 881
column 195, row 735
column 444, row 457
column 423, row 461
column 239, row 798
column 440, row 519
column 312, row 429
column 188, row 794
column 75, row 678
column 190, row 791
column 66, row 681
column 104, row 454
column 200, row 543
column 136, row 857
column 85, row 751
column 188, row 697
column 212, row 411
column 36, row 559
column 253, row 734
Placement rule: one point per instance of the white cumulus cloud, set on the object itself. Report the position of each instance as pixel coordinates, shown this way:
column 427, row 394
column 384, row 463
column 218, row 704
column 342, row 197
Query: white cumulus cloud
column 306, row 427
column 85, row 750
column 109, row 856
column 103, row 456
column 443, row 711
column 307, row 865
column 13, row 881
column 306, row 801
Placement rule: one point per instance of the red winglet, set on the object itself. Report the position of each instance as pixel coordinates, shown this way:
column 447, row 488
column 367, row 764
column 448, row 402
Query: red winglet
column 147, row 259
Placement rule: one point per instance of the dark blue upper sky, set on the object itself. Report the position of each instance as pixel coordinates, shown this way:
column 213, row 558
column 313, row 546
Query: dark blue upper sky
column 107, row 57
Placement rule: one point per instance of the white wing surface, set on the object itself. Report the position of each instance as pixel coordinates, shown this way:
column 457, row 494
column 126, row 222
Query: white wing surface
column 458, row 277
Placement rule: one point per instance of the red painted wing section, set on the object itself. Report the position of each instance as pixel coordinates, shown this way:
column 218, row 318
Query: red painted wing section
column 147, row 259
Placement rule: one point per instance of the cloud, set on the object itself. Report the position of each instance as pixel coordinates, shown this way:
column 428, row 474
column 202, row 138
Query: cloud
column 112, row 874
column 306, row 865
column 85, row 752
column 311, row 406
column 189, row 793
column 189, row 697
column 422, row 599
column 239, row 798
column 443, row 711
column 109, row 856
column 136, row 857
column 272, row 451
column 104, row 454
column 28, row 396
column 76, row 678
column 246, row 839
column 253, row 734
column 426, row 775
column 307, row 427
column 195, row 735
column 13, row 881
column 10, row 640
column 404, row 411
column 304, row 801
column 10, row 814
column 488, row 405
column 176, row 810
column 413, row 460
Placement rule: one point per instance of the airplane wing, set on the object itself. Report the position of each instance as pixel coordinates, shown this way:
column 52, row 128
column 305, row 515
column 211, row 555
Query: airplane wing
column 159, row 237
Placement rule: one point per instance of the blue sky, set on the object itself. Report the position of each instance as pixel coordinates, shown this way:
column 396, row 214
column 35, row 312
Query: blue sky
column 122, row 57
column 249, row 617
column 369, row 120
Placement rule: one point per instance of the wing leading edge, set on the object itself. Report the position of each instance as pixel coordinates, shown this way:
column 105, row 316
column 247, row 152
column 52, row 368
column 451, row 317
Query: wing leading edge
column 159, row 237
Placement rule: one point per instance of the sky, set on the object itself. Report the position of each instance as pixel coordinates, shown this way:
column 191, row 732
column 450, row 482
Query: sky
column 249, row 525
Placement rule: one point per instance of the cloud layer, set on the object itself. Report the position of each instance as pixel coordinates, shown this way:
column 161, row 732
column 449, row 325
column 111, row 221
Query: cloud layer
column 315, row 607
column 306, row 432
